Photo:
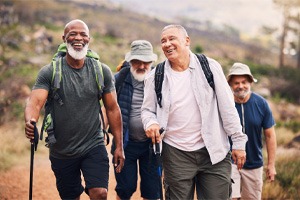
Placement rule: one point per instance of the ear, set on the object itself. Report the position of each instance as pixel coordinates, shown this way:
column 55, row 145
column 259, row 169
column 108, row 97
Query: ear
column 188, row 41
column 63, row 38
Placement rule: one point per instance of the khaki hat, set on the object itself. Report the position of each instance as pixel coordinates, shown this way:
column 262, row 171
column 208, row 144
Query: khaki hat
column 240, row 69
column 141, row 50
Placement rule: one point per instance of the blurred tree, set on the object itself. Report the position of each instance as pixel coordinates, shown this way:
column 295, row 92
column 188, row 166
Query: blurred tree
column 291, row 23
column 295, row 28
column 198, row 49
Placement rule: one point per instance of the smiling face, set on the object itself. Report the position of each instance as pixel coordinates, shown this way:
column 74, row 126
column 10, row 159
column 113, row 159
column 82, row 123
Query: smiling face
column 240, row 86
column 175, row 43
column 76, row 36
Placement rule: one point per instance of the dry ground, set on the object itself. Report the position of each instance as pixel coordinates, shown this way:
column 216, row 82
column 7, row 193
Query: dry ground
column 14, row 184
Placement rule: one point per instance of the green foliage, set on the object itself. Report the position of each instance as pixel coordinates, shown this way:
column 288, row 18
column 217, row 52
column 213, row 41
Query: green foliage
column 198, row 49
column 260, row 70
column 288, row 175
column 292, row 125
column 290, row 76
column 109, row 39
column 17, row 109
column 51, row 26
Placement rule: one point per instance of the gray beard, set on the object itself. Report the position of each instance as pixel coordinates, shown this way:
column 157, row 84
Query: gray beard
column 77, row 55
column 242, row 95
column 137, row 76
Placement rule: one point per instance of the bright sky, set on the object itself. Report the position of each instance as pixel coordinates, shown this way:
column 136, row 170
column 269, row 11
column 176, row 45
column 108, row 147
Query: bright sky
column 245, row 15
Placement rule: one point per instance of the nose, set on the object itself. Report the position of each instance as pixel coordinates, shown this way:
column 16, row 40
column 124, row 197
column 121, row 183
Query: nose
column 240, row 85
column 143, row 65
column 78, row 37
column 166, row 43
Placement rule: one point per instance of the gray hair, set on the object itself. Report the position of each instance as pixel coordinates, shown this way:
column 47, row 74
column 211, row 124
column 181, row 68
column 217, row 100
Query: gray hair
column 177, row 26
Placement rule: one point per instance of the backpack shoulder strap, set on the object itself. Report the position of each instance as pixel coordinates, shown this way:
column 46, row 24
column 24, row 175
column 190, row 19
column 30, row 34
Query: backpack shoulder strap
column 56, row 64
column 92, row 54
column 206, row 69
column 158, row 79
column 56, row 74
column 121, row 77
column 98, row 74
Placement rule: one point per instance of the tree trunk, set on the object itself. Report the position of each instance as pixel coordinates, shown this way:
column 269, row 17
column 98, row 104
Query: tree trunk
column 298, row 53
column 283, row 36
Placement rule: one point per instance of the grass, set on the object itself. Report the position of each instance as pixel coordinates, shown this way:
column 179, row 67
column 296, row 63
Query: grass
column 14, row 146
column 284, row 136
column 287, row 182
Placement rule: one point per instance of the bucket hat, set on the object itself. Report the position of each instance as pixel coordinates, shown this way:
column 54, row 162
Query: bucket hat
column 141, row 50
column 240, row 69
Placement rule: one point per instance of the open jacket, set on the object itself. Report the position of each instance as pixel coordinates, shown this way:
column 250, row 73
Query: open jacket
column 219, row 115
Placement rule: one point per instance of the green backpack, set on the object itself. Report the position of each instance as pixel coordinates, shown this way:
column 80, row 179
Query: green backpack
column 57, row 61
column 48, row 121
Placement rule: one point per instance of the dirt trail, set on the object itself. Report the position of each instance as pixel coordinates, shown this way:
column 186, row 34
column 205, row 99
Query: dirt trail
column 14, row 184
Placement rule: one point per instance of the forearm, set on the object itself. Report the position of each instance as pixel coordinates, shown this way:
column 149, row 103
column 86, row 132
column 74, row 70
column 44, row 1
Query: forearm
column 32, row 110
column 34, row 104
column 115, row 124
column 271, row 144
column 271, row 148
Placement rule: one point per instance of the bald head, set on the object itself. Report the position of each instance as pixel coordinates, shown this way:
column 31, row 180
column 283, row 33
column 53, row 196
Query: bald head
column 76, row 23
column 76, row 36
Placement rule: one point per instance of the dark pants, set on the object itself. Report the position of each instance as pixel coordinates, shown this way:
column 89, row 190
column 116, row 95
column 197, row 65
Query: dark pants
column 183, row 169
column 94, row 167
column 138, row 156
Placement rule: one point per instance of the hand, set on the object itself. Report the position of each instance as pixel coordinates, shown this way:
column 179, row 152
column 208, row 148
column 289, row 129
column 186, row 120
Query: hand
column 29, row 129
column 119, row 158
column 153, row 133
column 270, row 173
column 239, row 157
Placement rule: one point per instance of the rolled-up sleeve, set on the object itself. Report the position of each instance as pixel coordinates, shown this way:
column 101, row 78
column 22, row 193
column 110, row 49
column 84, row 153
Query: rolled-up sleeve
column 148, row 110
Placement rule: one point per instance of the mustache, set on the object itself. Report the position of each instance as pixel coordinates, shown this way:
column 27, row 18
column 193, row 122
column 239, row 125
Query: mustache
column 240, row 90
column 141, row 70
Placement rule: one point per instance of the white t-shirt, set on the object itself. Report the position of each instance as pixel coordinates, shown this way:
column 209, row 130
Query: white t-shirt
column 184, row 123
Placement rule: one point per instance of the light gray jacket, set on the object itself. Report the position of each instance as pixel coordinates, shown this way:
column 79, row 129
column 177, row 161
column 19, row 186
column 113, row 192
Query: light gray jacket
column 219, row 115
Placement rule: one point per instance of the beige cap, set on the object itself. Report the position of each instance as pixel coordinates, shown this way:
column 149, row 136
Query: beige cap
column 240, row 69
column 141, row 50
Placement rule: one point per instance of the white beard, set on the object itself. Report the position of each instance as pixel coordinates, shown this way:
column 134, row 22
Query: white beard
column 77, row 55
column 241, row 94
column 139, row 76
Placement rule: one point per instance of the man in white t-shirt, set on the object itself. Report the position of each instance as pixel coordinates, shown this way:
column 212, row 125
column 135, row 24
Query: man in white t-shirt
column 197, row 122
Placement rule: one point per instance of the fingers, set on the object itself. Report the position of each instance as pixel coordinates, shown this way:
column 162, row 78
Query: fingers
column 240, row 162
column 118, row 161
column 271, row 174
column 29, row 129
column 153, row 133
column 118, row 166
column 271, row 177
column 239, row 158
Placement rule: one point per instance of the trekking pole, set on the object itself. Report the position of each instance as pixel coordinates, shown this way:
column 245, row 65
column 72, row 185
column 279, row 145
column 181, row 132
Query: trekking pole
column 34, row 143
column 158, row 160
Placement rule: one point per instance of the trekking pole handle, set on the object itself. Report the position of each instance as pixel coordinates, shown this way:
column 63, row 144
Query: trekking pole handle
column 35, row 141
column 157, row 146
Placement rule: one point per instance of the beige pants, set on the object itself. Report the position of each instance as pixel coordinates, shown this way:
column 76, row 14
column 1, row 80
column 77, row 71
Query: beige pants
column 247, row 183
